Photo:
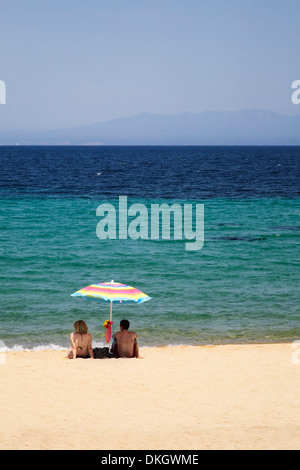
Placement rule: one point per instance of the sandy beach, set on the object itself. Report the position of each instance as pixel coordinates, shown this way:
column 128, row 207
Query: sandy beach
column 182, row 398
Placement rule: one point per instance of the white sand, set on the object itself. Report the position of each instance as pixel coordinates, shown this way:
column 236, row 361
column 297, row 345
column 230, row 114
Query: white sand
column 182, row 398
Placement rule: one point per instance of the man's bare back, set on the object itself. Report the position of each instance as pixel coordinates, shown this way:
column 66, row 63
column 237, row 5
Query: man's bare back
column 126, row 344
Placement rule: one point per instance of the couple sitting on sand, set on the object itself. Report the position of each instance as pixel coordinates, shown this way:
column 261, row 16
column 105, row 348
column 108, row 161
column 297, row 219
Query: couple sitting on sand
column 125, row 342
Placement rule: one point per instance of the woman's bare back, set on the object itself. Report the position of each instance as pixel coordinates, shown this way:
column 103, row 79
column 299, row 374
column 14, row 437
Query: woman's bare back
column 81, row 343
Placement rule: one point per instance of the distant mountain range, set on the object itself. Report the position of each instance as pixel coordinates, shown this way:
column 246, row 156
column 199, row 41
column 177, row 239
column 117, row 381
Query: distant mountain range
column 246, row 127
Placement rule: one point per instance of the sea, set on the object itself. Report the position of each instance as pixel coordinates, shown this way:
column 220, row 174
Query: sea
column 241, row 286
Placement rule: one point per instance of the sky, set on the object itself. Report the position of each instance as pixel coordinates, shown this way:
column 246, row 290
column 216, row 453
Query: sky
column 67, row 63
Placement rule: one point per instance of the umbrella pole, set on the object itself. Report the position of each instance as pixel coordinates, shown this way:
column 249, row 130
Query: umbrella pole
column 110, row 319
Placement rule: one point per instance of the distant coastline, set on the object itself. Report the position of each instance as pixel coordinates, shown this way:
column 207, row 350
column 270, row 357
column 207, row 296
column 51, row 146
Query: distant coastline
column 245, row 127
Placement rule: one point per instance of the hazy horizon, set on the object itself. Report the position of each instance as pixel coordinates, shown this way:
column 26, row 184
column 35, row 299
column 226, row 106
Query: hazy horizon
column 247, row 127
column 146, row 113
column 73, row 64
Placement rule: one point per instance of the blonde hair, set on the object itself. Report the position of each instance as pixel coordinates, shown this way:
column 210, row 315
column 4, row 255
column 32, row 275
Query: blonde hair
column 80, row 327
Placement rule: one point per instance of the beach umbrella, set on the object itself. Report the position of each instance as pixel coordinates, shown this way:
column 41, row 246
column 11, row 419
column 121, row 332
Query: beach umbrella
column 112, row 293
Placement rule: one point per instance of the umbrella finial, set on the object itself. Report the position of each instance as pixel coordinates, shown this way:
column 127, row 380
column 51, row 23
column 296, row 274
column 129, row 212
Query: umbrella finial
column 112, row 281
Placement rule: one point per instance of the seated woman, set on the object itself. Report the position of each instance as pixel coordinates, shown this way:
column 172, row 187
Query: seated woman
column 81, row 342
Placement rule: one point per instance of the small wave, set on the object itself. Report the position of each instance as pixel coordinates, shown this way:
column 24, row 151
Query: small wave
column 242, row 238
column 286, row 227
column 43, row 347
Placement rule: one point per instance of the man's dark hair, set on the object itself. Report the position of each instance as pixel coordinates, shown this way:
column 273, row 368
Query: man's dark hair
column 124, row 324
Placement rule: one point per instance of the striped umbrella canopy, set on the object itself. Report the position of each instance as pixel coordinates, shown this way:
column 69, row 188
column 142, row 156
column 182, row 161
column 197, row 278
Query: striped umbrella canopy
column 112, row 292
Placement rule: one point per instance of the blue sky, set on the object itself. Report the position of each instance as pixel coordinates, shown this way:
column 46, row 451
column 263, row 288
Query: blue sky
column 72, row 62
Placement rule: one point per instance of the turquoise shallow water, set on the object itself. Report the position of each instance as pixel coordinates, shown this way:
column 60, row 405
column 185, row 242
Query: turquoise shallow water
column 242, row 286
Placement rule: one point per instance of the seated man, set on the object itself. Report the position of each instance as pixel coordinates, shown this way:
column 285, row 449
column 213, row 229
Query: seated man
column 125, row 342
